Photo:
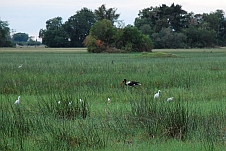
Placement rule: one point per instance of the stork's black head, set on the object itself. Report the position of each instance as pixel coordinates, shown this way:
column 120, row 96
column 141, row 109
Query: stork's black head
column 123, row 82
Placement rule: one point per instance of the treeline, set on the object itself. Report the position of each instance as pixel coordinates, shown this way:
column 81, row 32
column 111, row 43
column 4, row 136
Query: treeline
column 173, row 27
column 6, row 40
column 95, row 30
column 155, row 27
column 158, row 27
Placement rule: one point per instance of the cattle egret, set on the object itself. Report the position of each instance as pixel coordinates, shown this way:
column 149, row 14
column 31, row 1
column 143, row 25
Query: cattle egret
column 170, row 99
column 59, row 102
column 157, row 94
column 18, row 100
column 130, row 83
column 70, row 103
column 20, row 66
column 81, row 100
column 109, row 100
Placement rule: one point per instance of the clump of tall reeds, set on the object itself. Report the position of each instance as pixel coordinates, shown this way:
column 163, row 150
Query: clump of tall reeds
column 177, row 120
column 64, row 105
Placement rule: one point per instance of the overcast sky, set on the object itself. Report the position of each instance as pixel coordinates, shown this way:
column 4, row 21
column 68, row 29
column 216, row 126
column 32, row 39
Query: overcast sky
column 28, row 16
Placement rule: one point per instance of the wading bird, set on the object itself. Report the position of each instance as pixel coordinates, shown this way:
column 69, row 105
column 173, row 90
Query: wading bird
column 130, row 83
column 170, row 99
column 20, row 66
column 18, row 100
column 70, row 103
column 109, row 100
column 81, row 100
column 157, row 94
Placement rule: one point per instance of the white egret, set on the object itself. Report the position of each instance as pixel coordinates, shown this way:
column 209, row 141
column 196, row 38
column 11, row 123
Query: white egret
column 70, row 103
column 157, row 94
column 18, row 100
column 109, row 100
column 170, row 99
column 20, row 66
column 81, row 100
column 59, row 102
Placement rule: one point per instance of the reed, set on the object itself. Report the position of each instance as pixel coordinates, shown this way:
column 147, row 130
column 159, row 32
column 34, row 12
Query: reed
column 133, row 119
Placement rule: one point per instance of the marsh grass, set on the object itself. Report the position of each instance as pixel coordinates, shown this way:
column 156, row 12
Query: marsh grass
column 133, row 119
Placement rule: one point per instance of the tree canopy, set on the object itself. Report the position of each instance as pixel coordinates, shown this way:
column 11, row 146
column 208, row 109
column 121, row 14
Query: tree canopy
column 159, row 27
column 103, row 13
column 77, row 27
column 54, row 35
column 20, row 37
column 4, row 34
column 104, row 37
column 173, row 27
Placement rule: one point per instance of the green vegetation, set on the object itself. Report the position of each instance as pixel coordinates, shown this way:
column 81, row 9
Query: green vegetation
column 133, row 120
column 159, row 27
column 5, row 34
column 173, row 27
column 104, row 37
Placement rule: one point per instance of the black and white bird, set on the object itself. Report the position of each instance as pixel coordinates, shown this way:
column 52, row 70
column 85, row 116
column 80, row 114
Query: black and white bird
column 18, row 100
column 130, row 83
column 157, row 94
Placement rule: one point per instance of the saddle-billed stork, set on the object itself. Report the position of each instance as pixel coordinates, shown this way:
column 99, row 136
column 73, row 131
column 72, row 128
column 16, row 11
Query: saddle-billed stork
column 130, row 83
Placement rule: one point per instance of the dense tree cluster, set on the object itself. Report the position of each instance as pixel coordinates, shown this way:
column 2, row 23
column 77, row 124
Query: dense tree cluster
column 173, row 27
column 69, row 34
column 106, row 37
column 96, row 30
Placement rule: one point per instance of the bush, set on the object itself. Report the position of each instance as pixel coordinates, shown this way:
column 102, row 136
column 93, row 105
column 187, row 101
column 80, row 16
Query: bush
column 103, row 36
column 65, row 106
column 94, row 45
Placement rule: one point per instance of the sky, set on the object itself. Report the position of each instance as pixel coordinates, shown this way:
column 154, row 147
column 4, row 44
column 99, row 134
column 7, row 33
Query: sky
column 28, row 16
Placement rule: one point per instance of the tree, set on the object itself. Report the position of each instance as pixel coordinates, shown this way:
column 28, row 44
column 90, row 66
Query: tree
column 54, row 35
column 104, row 31
column 100, row 36
column 54, row 24
column 210, row 25
column 32, row 42
column 167, row 38
column 78, row 26
column 104, row 36
column 133, row 40
column 103, row 13
column 20, row 37
column 200, row 37
column 222, row 33
column 157, row 18
column 5, row 34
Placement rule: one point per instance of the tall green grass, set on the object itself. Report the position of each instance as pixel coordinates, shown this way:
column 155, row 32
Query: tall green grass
column 132, row 120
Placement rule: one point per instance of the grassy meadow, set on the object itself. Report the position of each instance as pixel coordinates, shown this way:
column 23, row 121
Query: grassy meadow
column 132, row 120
